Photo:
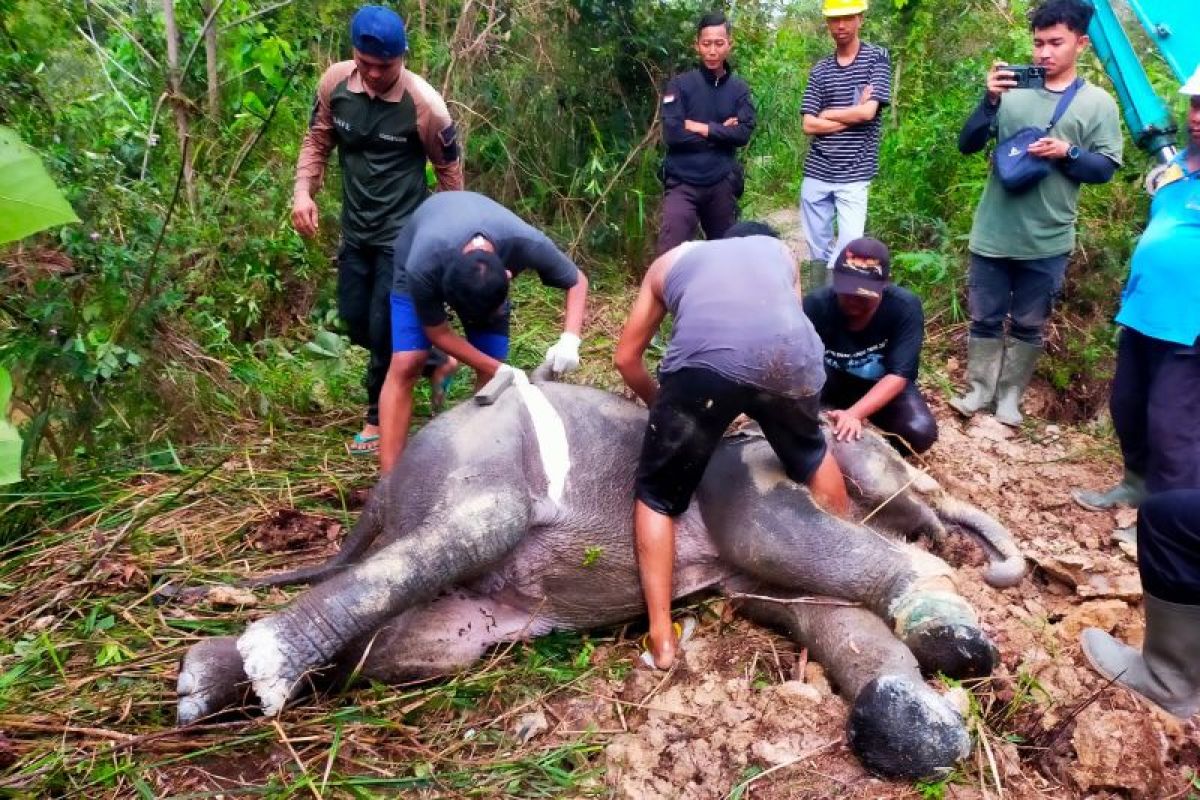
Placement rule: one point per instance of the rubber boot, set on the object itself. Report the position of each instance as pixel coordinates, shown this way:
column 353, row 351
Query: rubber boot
column 1125, row 535
column 1129, row 492
column 1167, row 671
column 1019, row 360
column 984, row 357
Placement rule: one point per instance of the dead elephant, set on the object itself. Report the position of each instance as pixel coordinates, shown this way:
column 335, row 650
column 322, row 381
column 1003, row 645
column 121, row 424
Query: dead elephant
column 509, row 521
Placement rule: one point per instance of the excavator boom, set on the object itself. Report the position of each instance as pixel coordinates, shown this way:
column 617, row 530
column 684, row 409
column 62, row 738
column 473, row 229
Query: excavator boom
column 1174, row 28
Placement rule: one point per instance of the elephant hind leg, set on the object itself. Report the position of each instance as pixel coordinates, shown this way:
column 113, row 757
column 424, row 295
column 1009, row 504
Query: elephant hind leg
column 446, row 636
column 476, row 528
column 898, row 726
column 211, row 680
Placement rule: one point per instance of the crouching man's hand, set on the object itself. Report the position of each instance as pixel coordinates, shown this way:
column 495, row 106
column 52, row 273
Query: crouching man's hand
column 563, row 355
column 846, row 426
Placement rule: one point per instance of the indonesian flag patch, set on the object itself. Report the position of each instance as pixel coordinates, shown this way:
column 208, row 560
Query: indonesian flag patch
column 668, row 98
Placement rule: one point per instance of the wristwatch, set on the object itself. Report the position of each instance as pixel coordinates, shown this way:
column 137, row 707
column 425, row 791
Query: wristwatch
column 1073, row 152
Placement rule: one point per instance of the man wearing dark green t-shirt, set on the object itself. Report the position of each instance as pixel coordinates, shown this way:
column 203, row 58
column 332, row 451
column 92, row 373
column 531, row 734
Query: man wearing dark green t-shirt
column 385, row 122
column 1020, row 241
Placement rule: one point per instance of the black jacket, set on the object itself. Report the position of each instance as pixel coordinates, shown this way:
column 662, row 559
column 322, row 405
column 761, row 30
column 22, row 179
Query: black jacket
column 700, row 96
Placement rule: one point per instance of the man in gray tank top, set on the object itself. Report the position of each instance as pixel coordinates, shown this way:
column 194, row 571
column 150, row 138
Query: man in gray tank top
column 740, row 344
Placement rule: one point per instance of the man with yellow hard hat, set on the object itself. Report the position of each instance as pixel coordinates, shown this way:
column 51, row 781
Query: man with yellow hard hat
column 841, row 110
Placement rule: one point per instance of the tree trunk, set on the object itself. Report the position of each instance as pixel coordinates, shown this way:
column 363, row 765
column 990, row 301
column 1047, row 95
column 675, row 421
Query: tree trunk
column 177, row 100
column 210, row 58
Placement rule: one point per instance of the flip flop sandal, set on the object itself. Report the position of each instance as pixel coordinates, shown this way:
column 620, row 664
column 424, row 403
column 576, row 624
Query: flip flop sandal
column 437, row 399
column 363, row 445
column 684, row 628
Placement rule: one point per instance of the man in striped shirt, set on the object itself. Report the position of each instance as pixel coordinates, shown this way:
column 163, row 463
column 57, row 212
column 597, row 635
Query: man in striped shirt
column 841, row 111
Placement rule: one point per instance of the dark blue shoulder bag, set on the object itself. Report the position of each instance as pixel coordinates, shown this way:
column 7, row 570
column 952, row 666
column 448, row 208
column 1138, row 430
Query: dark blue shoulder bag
column 1019, row 171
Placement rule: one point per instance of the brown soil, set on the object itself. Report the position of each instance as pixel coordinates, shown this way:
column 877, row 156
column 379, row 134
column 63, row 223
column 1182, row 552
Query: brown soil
column 289, row 530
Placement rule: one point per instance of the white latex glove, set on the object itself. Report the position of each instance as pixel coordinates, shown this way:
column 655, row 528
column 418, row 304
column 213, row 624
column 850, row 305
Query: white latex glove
column 563, row 355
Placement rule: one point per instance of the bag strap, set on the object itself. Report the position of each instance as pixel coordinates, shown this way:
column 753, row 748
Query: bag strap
column 1064, row 102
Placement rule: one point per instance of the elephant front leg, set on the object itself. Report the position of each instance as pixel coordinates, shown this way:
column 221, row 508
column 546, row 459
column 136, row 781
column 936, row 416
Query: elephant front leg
column 898, row 726
column 478, row 530
column 775, row 534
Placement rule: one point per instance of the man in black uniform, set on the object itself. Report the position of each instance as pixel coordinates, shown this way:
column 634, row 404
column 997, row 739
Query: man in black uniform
column 707, row 115
column 873, row 331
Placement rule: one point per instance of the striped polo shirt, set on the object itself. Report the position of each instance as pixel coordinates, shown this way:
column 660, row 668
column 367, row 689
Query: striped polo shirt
column 853, row 154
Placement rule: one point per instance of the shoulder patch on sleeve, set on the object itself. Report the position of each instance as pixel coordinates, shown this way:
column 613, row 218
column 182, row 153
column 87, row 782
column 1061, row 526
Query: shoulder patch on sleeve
column 448, row 137
column 668, row 98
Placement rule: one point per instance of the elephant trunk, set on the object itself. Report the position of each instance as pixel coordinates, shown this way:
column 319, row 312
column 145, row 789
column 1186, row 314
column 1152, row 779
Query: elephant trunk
column 1007, row 566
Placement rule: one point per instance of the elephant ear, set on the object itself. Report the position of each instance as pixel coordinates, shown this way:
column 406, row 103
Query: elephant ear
column 10, row 438
column 29, row 200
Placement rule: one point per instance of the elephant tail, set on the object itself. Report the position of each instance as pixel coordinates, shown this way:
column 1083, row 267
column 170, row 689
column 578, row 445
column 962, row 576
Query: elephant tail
column 1007, row 565
column 362, row 535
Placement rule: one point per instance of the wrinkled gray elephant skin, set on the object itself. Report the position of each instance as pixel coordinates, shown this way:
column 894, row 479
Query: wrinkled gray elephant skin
column 508, row 521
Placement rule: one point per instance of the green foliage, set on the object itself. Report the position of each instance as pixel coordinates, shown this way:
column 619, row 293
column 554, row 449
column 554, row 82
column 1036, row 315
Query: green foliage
column 29, row 200
column 10, row 439
column 180, row 304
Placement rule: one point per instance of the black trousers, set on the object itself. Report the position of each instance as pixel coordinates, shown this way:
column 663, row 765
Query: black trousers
column 907, row 417
column 1169, row 546
column 1155, row 407
column 714, row 207
column 363, row 291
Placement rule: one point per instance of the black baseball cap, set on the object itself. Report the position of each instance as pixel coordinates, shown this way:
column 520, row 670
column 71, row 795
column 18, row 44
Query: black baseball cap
column 863, row 268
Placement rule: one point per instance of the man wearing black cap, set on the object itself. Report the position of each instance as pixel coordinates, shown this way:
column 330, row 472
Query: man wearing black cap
column 460, row 249
column 873, row 331
column 385, row 123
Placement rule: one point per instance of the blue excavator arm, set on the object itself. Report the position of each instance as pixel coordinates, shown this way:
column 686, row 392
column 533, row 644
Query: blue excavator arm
column 1174, row 28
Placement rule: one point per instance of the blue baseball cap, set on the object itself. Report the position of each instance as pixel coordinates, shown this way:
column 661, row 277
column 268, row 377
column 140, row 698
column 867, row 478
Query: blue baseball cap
column 379, row 32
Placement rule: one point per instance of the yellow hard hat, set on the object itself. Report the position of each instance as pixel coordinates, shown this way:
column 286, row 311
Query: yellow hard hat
column 843, row 8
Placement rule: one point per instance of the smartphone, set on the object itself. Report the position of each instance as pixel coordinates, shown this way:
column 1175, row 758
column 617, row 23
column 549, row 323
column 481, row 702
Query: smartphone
column 1027, row 76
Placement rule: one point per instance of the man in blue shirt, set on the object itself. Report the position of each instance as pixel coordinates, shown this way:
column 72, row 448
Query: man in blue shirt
column 1155, row 399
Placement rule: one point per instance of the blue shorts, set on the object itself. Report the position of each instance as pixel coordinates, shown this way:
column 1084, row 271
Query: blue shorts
column 408, row 334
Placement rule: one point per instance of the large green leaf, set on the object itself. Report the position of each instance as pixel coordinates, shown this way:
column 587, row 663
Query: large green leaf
column 10, row 438
column 29, row 200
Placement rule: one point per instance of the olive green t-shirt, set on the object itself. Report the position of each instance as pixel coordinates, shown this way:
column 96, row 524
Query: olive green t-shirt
column 1040, row 222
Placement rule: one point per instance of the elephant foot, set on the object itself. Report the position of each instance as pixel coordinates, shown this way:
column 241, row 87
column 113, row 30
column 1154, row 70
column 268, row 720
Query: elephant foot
column 941, row 630
column 901, row 728
column 957, row 651
column 210, row 680
column 274, row 665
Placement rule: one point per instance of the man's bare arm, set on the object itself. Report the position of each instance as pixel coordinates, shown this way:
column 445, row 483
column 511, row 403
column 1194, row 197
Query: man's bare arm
column 644, row 318
column 816, row 126
column 445, row 339
column 853, row 115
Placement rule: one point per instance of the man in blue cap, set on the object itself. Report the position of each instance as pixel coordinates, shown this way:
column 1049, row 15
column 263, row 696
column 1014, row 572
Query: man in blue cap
column 386, row 123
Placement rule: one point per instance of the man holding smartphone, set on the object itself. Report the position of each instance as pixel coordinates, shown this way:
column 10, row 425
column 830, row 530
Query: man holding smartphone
column 1021, row 241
